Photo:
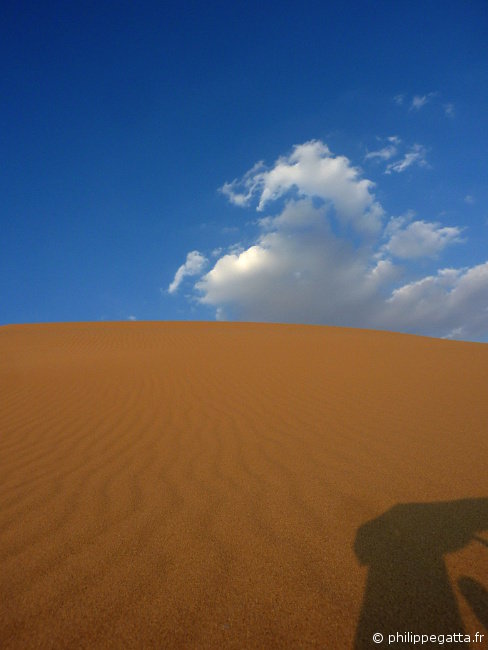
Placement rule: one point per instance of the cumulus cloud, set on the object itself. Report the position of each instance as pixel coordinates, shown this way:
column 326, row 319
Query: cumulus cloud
column 416, row 156
column 298, row 269
column 452, row 303
column 195, row 262
column 420, row 238
column 304, row 266
column 312, row 171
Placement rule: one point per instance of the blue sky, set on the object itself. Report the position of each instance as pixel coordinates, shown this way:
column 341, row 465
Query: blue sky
column 298, row 162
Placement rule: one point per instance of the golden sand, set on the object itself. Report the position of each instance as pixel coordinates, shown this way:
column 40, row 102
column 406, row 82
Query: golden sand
column 227, row 485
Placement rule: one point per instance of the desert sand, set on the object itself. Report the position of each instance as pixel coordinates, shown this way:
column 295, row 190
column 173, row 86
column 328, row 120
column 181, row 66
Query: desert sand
column 239, row 485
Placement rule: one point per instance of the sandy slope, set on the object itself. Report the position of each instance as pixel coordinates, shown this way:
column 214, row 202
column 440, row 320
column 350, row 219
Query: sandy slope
column 207, row 485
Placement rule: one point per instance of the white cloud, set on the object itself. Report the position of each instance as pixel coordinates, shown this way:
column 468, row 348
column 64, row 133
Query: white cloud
column 194, row 265
column 131, row 317
column 420, row 239
column 470, row 200
column 419, row 101
column 298, row 269
column 248, row 185
column 387, row 152
column 416, row 156
column 312, row 171
column 453, row 303
column 305, row 267
column 449, row 110
column 382, row 154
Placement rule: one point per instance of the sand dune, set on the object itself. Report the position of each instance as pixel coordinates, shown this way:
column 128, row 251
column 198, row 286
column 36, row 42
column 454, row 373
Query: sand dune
column 225, row 485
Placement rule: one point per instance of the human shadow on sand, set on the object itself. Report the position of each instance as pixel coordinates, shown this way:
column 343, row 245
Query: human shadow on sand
column 477, row 597
column 408, row 588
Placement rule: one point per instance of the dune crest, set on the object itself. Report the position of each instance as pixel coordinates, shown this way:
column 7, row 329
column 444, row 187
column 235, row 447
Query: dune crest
column 231, row 485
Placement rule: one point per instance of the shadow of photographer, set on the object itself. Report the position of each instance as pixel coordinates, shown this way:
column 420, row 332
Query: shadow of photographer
column 408, row 588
